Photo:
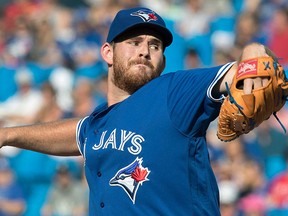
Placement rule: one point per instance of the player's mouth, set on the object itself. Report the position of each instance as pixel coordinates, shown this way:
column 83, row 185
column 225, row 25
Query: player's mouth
column 141, row 63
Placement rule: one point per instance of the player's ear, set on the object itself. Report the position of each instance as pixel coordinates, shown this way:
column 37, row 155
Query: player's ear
column 107, row 53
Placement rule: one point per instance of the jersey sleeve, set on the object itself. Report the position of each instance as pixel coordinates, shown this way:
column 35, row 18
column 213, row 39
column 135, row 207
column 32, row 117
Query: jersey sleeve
column 81, row 134
column 220, row 73
column 191, row 104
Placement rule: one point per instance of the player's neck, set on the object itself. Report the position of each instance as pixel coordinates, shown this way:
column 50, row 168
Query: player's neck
column 115, row 95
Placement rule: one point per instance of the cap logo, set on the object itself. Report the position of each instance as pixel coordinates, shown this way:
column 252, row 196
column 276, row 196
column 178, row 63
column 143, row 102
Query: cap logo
column 145, row 15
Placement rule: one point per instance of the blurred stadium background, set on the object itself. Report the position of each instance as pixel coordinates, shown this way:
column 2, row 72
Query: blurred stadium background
column 50, row 69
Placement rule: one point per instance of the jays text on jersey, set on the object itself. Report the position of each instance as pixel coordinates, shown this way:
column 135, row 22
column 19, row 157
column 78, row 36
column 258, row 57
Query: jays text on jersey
column 147, row 155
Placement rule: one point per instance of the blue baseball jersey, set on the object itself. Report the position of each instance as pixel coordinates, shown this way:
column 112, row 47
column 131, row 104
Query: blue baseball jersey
column 147, row 155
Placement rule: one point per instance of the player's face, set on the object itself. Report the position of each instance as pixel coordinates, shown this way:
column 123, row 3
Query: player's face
column 136, row 61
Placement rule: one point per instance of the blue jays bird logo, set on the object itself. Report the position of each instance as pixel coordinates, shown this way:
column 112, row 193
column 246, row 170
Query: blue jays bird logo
column 131, row 177
column 145, row 15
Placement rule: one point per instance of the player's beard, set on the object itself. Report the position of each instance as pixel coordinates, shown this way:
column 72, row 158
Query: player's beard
column 131, row 82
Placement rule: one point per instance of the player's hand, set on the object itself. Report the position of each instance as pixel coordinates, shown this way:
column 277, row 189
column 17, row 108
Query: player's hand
column 253, row 51
column 254, row 83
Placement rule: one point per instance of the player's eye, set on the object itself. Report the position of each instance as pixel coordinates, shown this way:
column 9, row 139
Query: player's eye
column 154, row 46
column 134, row 43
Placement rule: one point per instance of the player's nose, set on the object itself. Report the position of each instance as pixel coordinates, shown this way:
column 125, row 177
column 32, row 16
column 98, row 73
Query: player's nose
column 143, row 50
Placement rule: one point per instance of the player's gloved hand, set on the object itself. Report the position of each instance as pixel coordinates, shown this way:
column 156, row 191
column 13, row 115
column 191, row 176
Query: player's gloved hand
column 258, row 90
column 254, row 83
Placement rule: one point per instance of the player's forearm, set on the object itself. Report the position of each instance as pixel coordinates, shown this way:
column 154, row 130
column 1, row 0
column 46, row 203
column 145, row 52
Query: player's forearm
column 55, row 138
column 228, row 77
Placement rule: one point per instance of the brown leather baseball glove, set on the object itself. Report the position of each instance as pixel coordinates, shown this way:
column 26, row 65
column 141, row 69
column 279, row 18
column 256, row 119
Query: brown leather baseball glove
column 240, row 113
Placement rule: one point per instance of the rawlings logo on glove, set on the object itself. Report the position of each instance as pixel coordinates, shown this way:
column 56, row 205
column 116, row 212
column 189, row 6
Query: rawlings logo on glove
column 240, row 113
column 247, row 68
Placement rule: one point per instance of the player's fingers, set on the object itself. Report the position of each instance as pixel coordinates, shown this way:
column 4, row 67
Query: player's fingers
column 247, row 88
column 257, row 82
column 265, row 81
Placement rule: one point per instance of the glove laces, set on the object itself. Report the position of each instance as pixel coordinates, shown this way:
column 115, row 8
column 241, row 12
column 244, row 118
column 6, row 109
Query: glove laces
column 233, row 101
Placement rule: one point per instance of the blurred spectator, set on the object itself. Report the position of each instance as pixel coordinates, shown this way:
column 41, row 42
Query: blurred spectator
column 44, row 40
column 253, row 205
column 100, row 17
column 85, row 50
column 87, row 63
column 16, row 10
column 3, row 3
column 228, row 197
column 63, row 31
column 236, row 165
column 129, row 3
column 12, row 202
column 22, row 106
column 247, row 31
column 73, row 4
column 66, row 197
column 250, row 6
column 247, row 28
column 273, row 144
column 61, row 79
column 278, row 191
column 2, row 36
column 100, row 90
column 222, row 29
column 220, row 7
column 83, row 97
column 253, row 180
column 266, row 10
column 240, row 179
column 58, row 44
column 194, row 19
column 35, row 171
column 20, row 41
column 50, row 110
column 278, row 36
column 192, row 59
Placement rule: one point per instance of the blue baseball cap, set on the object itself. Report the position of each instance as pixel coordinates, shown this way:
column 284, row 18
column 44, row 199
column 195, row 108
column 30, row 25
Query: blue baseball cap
column 128, row 19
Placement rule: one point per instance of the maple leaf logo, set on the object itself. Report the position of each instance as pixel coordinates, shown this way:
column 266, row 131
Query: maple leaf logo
column 139, row 174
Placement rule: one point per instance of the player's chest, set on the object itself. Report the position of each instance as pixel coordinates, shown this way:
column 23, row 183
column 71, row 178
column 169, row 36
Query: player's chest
column 129, row 135
column 108, row 139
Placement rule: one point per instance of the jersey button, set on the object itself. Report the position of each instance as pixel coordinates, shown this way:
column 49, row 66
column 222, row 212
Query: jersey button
column 102, row 205
column 99, row 174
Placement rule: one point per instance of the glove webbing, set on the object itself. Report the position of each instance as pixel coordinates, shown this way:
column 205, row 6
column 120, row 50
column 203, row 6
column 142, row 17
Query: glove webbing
column 233, row 101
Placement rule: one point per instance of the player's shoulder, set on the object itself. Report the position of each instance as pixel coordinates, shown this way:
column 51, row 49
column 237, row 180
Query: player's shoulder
column 194, row 71
column 191, row 75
